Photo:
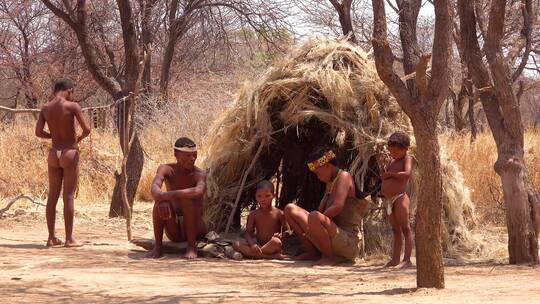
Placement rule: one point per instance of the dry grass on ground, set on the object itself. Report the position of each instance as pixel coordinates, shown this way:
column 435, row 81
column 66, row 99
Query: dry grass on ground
column 476, row 162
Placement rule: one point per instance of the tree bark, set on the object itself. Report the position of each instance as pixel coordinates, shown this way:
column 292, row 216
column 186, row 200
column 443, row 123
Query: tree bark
column 77, row 20
column 429, row 259
column 459, row 109
column 422, row 100
column 345, row 19
column 504, row 118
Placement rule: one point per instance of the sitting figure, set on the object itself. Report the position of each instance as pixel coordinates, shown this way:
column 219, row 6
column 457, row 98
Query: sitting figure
column 178, row 211
column 395, row 177
column 267, row 223
column 333, row 229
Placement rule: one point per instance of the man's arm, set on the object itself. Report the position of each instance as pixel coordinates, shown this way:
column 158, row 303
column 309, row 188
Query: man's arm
column 340, row 195
column 157, row 183
column 189, row 193
column 40, row 126
column 82, row 122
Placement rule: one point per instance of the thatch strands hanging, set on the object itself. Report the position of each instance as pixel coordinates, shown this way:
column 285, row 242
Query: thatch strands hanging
column 324, row 93
column 332, row 83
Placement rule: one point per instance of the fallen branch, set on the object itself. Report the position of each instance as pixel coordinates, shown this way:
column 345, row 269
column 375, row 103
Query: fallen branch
column 240, row 190
column 19, row 197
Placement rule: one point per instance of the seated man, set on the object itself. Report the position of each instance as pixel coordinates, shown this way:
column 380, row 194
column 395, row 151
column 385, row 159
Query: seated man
column 268, row 222
column 178, row 211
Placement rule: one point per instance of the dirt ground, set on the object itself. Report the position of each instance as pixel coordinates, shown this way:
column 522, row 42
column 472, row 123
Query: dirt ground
column 109, row 269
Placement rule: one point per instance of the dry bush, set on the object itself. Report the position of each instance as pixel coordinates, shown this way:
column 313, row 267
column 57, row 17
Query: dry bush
column 24, row 163
column 193, row 107
column 195, row 104
column 476, row 163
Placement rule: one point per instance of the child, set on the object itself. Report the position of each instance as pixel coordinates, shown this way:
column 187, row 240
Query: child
column 395, row 177
column 268, row 222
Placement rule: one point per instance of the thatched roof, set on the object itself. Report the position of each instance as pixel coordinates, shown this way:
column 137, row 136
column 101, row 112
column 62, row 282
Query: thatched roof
column 325, row 93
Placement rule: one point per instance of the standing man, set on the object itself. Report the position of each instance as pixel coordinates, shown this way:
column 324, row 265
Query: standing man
column 63, row 159
column 178, row 211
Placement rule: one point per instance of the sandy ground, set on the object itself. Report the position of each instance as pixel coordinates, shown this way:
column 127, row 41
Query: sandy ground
column 109, row 269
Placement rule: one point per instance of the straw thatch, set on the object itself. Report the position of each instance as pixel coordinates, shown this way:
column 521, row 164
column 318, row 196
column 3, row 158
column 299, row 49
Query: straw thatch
column 325, row 93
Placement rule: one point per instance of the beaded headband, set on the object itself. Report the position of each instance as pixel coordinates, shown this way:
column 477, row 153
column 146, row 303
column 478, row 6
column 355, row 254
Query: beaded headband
column 186, row 149
column 325, row 159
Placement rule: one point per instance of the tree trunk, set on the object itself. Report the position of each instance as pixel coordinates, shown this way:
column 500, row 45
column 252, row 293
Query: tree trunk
column 166, row 65
column 429, row 258
column 459, row 106
column 345, row 19
column 135, row 162
column 147, row 73
column 134, row 167
column 472, row 120
column 504, row 118
column 521, row 209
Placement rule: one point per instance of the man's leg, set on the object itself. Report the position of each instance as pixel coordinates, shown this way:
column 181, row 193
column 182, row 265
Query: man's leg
column 191, row 226
column 321, row 231
column 70, row 162
column 201, row 227
column 401, row 208
column 298, row 220
column 170, row 226
column 55, row 187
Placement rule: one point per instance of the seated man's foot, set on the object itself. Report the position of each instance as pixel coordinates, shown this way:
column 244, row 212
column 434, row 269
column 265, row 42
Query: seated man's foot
column 72, row 243
column 307, row 256
column 405, row 265
column 392, row 263
column 325, row 261
column 156, row 253
column 191, row 253
column 53, row 242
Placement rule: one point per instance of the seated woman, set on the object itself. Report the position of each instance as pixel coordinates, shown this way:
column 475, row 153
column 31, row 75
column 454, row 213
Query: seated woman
column 333, row 229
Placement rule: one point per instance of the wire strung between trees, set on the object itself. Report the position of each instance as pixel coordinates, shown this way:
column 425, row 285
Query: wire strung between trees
column 108, row 106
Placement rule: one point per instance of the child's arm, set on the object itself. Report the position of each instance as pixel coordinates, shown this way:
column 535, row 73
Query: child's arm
column 250, row 229
column 406, row 173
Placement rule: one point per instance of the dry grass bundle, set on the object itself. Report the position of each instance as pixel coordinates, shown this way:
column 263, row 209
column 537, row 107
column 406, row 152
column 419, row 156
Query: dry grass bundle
column 325, row 92
column 24, row 163
column 476, row 161
column 332, row 84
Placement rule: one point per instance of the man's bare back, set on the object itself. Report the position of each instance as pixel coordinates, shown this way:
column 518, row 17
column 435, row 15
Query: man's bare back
column 63, row 159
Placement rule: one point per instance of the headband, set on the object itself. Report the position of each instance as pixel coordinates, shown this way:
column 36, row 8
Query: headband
column 325, row 159
column 186, row 149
